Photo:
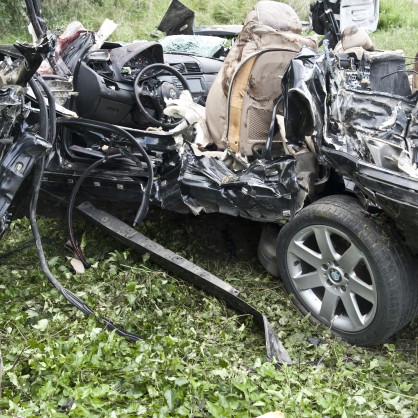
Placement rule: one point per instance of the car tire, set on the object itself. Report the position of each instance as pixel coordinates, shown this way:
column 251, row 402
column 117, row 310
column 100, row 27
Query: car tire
column 350, row 271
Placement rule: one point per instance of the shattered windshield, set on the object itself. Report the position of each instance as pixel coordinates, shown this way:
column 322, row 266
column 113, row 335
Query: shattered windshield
column 204, row 46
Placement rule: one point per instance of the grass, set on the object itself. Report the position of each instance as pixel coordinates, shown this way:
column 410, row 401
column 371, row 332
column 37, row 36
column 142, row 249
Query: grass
column 197, row 357
column 398, row 26
column 136, row 19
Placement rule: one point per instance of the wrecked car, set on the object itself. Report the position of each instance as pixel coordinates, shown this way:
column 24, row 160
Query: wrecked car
column 320, row 147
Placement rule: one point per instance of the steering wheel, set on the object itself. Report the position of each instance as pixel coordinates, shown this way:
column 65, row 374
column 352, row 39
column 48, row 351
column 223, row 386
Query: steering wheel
column 157, row 90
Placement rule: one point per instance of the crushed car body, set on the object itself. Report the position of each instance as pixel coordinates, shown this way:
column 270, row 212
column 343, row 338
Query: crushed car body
column 362, row 125
column 272, row 130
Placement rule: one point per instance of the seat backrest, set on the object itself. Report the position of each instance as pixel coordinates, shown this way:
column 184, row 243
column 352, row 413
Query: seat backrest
column 241, row 100
column 386, row 72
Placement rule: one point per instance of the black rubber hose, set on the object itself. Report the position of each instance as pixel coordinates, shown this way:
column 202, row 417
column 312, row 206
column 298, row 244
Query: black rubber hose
column 143, row 208
column 36, row 18
column 39, row 170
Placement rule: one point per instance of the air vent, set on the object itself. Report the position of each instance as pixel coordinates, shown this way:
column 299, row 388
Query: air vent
column 192, row 67
column 101, row 68
column 179, row 67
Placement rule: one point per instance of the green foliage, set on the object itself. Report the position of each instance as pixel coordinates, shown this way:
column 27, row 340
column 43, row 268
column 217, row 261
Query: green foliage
column 398, row 14
column 197, row 358
column 13, row 17
column 234, row 12
column 227, row 13
column 398, row 26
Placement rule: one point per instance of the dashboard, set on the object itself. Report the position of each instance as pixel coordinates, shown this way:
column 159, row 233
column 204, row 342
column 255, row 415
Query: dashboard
column 135, row 65
column 105, row 80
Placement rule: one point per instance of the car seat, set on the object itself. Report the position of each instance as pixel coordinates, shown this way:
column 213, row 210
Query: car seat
column 241, row 100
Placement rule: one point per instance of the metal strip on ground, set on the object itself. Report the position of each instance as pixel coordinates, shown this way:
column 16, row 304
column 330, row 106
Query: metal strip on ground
column 188, row 271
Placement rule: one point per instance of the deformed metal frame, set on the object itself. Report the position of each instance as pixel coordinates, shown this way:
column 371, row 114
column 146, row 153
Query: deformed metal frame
column 188, row 271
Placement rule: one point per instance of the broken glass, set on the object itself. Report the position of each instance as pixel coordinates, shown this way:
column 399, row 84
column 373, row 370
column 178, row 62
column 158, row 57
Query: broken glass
column 204, row 46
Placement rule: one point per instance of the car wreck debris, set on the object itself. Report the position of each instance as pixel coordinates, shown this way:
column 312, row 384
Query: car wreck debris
column 319, row 146
column 187, row 271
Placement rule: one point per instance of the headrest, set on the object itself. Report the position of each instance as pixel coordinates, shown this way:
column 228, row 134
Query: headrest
column 354, row 36
column 279, row 16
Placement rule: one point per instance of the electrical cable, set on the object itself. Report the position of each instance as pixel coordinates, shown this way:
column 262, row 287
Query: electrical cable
column 143, row 208
column 76, row 188
column 71, row 202
column 70, row 296
column 24, row 246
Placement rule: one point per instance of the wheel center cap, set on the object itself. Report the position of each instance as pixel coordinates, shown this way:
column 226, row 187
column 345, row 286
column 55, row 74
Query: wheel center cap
column 335, row 275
